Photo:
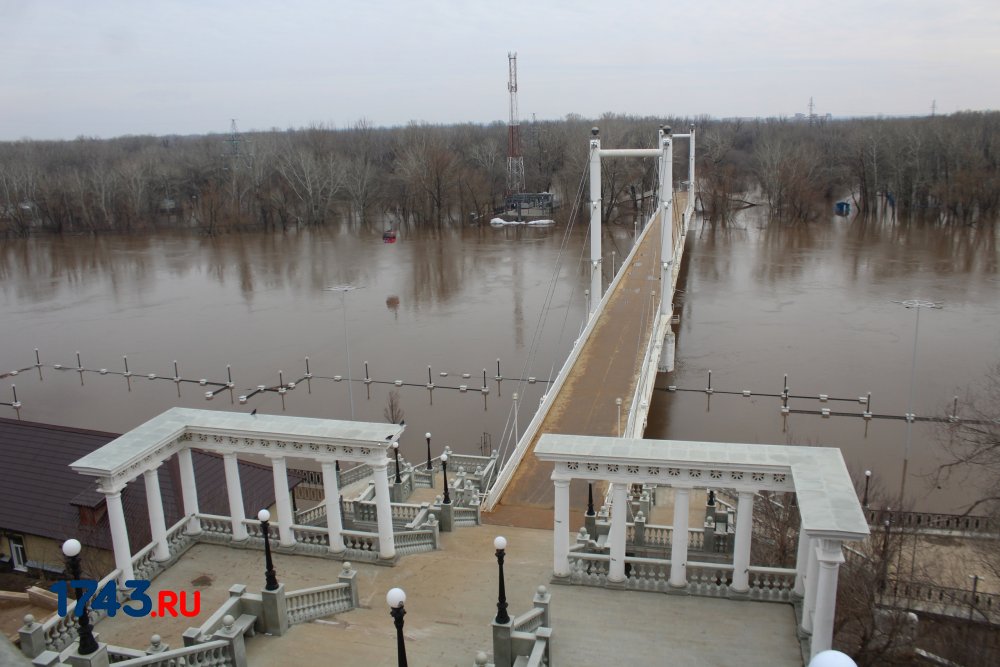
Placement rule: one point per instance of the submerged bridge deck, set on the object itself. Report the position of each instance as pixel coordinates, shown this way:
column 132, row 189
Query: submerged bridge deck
column 609, row 366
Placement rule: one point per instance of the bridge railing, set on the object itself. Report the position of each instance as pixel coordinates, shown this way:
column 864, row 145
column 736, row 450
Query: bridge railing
column 510, row 465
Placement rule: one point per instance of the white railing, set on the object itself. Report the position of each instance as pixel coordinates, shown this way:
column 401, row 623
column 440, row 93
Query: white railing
column 706, row 579
column 310, row 603
column 61, row 631
column 510, row 465
column 218, row 653
column 529, row 621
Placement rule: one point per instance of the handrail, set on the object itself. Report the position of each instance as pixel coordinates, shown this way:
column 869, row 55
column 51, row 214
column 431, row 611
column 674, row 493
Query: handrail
column 510, row 465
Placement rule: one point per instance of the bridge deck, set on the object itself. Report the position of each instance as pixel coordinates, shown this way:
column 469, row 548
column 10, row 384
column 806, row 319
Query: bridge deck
column 608, row 368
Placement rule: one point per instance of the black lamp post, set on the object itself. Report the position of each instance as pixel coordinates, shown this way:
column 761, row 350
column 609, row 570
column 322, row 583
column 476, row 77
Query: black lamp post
column 885, row 555
column 868, row 478
column 444, row 471
column 71, row 549
column 395, row 451
column 590, row 499
column 502, row 617
column 270, row 576
column 428, row 437
column 395, row 599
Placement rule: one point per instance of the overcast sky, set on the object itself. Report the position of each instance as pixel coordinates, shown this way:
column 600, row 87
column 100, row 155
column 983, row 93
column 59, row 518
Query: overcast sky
column 102, row 68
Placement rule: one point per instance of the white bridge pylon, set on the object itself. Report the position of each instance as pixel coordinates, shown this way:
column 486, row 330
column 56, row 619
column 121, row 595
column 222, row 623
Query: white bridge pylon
column 665, row 153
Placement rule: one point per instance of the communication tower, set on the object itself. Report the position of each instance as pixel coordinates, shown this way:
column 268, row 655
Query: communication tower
column 515, row 161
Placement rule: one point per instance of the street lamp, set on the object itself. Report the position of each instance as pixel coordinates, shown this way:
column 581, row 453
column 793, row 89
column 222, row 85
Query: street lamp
column 918, row 305
column 395, row 451
column 395, row 599
column 868, row 478
column 502, row 617
column 270, row 577
column 618, row 402
column 590, row 499
column 444, row 471
column 428, row 437
column 516, row 436
column 343, row 290
column 71, row 549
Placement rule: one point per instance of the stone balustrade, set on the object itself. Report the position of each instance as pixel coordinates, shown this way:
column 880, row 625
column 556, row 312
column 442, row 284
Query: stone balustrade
column 216, row 653
column 954, row 602
column 705, row 579
column 311, row 603
column 935, row 522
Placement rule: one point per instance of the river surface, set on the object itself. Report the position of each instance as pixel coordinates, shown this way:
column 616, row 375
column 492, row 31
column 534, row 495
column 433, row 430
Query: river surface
column 812, row 301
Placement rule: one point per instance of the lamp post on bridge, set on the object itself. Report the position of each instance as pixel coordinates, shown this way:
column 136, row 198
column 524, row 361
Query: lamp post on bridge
column 918, row 305
column 395, row 599
column 428, row 437
column 343, row 290
column 618, row 402
column 270, row 576
column 87, row 643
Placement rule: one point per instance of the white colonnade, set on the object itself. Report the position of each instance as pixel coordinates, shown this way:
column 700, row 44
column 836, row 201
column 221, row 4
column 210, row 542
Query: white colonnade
column 828, row 505
column 275, row 438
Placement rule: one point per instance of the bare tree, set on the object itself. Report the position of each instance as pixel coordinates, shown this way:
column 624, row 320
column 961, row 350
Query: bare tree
column 393, row 411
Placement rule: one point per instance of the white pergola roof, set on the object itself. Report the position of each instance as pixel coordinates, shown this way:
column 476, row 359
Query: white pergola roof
column 156, row 440
column 828, row 502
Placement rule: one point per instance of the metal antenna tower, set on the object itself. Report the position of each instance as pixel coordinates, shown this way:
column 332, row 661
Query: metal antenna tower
column 933, row 108
column 233, row 142
column 515, row 161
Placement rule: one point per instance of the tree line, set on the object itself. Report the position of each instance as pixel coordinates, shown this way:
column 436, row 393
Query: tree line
column 940, row 168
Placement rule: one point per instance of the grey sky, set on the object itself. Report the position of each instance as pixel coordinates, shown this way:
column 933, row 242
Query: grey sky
column 101, row 68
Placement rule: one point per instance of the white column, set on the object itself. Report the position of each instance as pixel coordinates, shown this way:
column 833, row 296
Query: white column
column 595, row 223
column 334, row 526
column 119, row 535
column 560, row 528
column 801, row 563
column 812, row 574
column 189, row 490
column 829, row 555
column 741, row 551
column 666, row 223
column 279, row 470
column 679, row 540
column 154, row 505
column 235, row 491
column 383, row 508
column 616, row 569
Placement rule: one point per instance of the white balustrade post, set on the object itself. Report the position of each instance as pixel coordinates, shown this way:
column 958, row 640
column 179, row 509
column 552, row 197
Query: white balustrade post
column 596, row 290
column 741, row 551
column 801, row 563
column 560, row 537
column 119, row 535
column 189, row 490
column 383, row 508
column 235, row 491
column 679, row 539
column 154, row 506
column 279, row 470
column 334, row 525
column 812, row 574
column 829, row 556
column 616, row 536
column 666, row 223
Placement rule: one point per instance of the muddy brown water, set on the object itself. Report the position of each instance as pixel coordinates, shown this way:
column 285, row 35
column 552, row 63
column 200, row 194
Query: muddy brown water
column 812, row 301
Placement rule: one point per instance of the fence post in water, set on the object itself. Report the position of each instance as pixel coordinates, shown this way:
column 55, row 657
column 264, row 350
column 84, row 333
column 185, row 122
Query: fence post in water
column 499, row 376
column 368, row 379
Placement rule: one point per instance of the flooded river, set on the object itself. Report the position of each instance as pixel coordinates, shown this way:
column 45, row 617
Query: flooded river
column 813, row 301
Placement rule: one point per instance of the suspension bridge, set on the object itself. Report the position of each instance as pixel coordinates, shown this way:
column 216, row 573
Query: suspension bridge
column 605, row 386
